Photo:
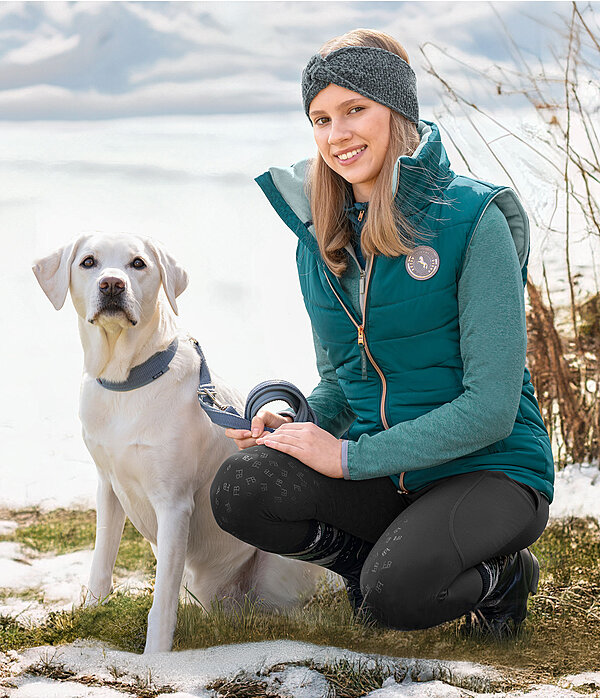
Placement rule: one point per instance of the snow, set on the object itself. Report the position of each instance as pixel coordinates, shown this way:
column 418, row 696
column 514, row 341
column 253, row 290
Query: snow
column 7, row 527
column 577, row 491
column 58, row 581
column 281, row 665
column 62, row 689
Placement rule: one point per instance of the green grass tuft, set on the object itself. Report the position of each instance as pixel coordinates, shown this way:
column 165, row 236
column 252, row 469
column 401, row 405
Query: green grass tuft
column 121, row 621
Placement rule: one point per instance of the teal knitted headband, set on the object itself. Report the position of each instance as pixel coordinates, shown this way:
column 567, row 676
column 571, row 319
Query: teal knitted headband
column 375, row 73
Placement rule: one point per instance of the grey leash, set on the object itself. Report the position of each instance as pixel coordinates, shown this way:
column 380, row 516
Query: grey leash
column 259, row 396
column 226, row 416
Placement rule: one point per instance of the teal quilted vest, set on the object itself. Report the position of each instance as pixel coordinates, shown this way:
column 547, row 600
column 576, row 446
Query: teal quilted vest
column 401, row 358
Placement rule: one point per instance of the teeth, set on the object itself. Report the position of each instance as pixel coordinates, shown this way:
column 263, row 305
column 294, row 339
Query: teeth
column 345, row 156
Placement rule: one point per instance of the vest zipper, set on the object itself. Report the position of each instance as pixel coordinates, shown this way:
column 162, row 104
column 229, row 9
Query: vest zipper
column 361, row 332
column 362, row 341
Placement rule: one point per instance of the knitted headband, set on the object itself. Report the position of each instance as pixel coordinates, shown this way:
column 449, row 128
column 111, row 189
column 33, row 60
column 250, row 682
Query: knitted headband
column 375, row 73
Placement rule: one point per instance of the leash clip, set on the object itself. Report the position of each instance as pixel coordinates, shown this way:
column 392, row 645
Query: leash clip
column 209, row 391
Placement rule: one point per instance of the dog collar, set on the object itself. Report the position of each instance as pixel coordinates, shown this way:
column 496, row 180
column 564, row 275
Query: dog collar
column 143, row 374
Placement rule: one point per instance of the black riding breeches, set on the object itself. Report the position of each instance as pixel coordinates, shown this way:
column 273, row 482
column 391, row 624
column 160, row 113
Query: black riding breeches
column 421, row 570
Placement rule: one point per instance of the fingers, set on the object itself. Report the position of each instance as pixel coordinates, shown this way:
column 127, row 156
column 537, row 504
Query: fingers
column 248, row 438
column 279, row 438
column 243, row 438
column 283, row 444
column 237, row 434
column 258, row 425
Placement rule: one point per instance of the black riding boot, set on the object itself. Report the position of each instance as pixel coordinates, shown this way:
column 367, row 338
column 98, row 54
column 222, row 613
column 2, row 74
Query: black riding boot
column 508, row 581
column 341, row 553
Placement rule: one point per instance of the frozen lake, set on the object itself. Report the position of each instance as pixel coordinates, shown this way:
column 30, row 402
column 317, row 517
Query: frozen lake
column 187, row 181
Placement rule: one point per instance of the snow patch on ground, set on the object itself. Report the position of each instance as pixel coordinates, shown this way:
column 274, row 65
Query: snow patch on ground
column 282, row 666
column 274, row 663
column 577, row 491
column 7, row 527
column 58, row 581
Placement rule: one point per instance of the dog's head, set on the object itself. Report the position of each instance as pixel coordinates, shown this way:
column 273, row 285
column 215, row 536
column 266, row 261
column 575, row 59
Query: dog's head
column 113, row 279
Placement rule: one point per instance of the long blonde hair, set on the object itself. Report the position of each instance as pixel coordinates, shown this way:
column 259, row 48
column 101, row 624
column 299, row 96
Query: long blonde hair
column 386, row 231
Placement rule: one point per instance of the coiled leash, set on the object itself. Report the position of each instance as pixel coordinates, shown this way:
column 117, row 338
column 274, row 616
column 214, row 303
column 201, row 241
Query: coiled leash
column 262, row 394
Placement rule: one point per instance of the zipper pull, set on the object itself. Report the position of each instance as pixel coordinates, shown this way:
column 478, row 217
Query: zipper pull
column 362, row 282
column 363, row 354
column 361, row 213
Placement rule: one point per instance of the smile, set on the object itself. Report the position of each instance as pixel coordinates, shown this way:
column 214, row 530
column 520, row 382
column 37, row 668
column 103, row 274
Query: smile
column 350, row 154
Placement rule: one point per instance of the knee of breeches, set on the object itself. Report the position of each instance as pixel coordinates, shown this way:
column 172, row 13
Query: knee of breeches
column 400, row 596
column 235, row 493
column 229, row 501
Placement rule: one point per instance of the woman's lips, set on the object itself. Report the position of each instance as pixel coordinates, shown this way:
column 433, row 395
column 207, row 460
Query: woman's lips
column 348, row 159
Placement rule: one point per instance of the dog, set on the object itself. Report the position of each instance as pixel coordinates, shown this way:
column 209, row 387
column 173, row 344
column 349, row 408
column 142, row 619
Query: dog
column 155, row 449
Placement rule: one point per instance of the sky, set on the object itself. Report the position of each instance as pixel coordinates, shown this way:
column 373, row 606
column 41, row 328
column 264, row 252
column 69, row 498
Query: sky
column 99, row 60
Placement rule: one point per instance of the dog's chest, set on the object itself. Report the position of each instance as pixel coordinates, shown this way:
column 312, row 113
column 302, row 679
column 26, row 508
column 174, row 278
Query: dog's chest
column 123, row 431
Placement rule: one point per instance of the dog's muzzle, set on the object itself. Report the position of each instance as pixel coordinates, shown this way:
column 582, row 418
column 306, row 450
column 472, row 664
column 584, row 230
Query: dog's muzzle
column 113, row 299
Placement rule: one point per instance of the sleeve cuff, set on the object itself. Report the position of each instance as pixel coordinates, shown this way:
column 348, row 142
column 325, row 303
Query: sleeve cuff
column 345, row 471
column 289, row 414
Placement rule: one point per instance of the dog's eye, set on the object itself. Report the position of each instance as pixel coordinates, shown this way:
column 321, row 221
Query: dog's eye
column 138, row 263
column 88, row 262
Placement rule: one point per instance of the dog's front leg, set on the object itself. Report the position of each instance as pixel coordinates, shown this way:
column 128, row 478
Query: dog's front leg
column 110, row 520
column 173, row 521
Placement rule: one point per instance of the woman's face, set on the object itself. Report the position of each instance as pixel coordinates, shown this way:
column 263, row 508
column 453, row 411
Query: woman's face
column 352, row 134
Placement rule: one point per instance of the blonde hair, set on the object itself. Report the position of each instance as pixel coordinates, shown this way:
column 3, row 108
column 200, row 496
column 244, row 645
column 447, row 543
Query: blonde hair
column 386, row 230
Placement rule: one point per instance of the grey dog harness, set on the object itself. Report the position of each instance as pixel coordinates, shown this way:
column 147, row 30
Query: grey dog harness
column 221, row 414
column 375, row 73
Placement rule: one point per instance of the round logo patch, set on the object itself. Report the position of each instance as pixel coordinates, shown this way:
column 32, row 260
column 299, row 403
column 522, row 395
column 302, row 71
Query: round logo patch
column 422, row 263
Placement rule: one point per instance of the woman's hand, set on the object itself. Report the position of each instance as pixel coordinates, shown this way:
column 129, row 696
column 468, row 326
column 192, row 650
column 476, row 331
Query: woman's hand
column 312, row 445
column 247, row 438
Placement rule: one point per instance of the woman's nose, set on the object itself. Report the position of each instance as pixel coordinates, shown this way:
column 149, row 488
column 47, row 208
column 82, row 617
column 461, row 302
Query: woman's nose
column 339, row 132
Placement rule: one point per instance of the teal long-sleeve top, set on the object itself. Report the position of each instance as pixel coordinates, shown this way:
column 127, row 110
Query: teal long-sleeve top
column 493, row 341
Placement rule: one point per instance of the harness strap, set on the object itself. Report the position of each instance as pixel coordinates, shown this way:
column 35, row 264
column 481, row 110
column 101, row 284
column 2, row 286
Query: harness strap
column 259, row 396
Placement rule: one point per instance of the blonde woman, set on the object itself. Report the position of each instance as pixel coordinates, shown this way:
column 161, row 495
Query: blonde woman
column 430, row 470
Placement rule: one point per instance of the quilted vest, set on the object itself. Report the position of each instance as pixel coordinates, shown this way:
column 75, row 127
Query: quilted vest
column 401, row 358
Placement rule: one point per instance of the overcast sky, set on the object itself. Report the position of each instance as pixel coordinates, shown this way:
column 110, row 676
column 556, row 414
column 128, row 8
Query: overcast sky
column 95, row 60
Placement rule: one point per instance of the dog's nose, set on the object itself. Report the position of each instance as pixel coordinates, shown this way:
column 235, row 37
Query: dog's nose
column 111, row 286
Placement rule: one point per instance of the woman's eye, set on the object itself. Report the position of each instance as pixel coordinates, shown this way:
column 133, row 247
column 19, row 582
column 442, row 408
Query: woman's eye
column 357, row 109
column 319, row 121
column 88, row 262
column 138, row 264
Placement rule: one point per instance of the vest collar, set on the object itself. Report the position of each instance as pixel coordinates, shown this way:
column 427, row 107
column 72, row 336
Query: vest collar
column 420, row 179
column 140, row 375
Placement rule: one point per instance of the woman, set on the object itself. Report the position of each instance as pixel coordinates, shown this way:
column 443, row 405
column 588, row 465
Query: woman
column 430, row 471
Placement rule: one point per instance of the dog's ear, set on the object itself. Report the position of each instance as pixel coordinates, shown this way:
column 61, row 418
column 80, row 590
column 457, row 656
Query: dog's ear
column 174, row 278
column 54, row 273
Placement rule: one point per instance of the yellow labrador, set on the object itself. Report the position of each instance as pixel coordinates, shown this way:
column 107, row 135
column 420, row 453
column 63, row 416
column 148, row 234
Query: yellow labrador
column 155, row 449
